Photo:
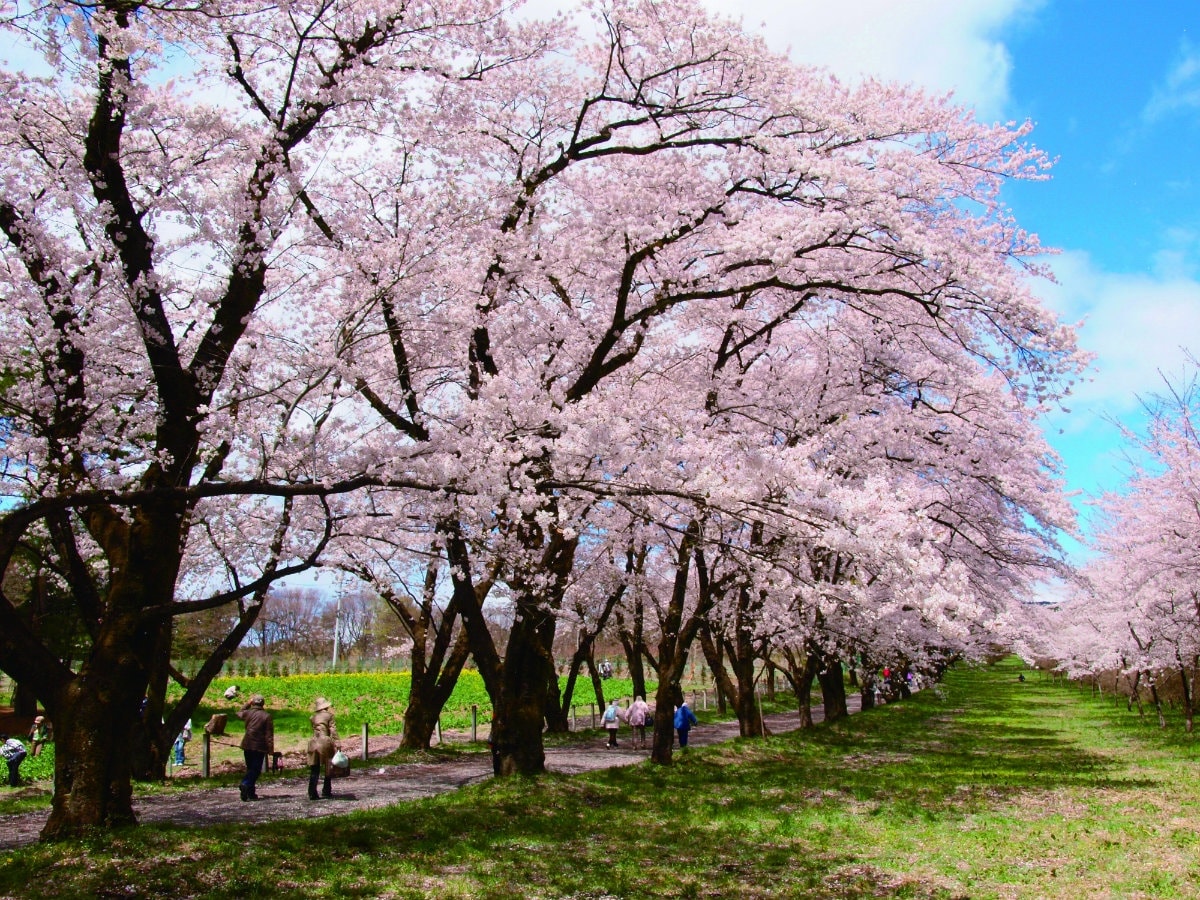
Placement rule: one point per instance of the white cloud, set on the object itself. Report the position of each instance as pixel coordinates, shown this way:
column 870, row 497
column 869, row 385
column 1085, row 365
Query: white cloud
column 1139, row 325
column 1180, row 90
column 941, row 45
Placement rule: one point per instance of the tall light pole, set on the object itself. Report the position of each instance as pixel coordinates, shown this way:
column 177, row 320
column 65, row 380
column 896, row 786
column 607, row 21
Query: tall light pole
column 337, row 627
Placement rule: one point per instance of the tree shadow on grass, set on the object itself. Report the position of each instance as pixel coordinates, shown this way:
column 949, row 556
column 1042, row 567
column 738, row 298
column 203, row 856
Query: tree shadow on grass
column 790, row 816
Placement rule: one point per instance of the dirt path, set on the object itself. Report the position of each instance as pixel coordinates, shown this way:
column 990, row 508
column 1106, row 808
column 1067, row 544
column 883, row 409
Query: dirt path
column 373, row 785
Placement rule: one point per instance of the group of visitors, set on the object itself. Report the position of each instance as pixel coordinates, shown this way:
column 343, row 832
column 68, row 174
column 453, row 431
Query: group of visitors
column 638, row 716
column 259, row 741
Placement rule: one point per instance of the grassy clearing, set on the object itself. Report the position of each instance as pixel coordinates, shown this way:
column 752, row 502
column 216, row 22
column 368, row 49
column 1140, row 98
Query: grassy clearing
column 984, row 788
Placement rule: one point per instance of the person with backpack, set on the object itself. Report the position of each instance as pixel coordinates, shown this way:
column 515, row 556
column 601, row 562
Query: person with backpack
column 684, row 720
column 13, row 752
column 612, row 721
column 638, row 713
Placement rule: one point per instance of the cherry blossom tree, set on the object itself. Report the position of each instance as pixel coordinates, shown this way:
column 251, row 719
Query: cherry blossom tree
column 1136, row 611
column 173, row 417
column 656, row 220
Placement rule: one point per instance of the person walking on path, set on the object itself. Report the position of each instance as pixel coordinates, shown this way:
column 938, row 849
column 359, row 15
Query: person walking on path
column 684, row 720
column 257, row 743
column 39, row 733
column 13, row 752
column 612, row 721
column 638, row 712
column 321, row 747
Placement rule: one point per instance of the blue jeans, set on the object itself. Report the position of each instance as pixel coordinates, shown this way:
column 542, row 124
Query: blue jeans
column 683, row 733
column 254, row 767
column 14, row 770
column 179, row 751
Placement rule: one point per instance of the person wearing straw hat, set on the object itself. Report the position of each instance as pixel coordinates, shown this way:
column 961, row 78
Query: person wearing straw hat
column 321, row 747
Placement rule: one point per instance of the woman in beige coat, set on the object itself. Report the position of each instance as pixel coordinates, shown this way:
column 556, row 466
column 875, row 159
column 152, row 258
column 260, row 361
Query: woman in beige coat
column 321, row 747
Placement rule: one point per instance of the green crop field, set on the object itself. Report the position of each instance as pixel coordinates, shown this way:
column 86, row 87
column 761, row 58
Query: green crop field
column 378, row 699
column 985, row 787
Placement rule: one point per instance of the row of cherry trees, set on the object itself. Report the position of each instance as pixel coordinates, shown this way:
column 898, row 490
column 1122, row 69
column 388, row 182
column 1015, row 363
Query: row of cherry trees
column 1134, row 613
column 637, row 316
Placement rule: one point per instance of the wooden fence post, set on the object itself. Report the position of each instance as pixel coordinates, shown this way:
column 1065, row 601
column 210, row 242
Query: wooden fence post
column 366, row 733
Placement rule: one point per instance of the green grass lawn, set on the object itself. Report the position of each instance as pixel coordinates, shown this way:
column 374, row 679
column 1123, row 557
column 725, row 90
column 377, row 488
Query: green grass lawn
column 985, row 787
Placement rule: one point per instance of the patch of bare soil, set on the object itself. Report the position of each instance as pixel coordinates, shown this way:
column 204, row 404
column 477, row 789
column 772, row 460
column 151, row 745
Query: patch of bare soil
column 370, row 785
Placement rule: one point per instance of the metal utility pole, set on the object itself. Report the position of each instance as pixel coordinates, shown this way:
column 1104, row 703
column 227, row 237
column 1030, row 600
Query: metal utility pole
column 337, row 628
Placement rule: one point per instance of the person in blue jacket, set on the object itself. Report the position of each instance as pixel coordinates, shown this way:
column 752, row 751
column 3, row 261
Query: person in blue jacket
column 684, row 720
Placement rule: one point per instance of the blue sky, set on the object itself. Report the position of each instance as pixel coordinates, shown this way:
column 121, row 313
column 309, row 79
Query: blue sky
column 1113, row 87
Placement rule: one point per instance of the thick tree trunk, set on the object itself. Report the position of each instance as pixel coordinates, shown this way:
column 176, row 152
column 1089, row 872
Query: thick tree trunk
column 666, row 699
column 430, row 691
column 151, row 740
column 92, row 774
column 631, row 637
column 745, row 702
column 867, row 692
column 94, row 718
column 833, row 690
column 517, row 682
column 420, row 721
column 801, row 676
column 98, row 711
column 716, row 665
column 555, row 713
column 517, row 743
column 749, row 715
column 675, row 641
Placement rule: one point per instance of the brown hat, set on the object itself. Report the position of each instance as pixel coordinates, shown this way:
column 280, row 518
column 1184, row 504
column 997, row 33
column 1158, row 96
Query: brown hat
column 320, row 704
